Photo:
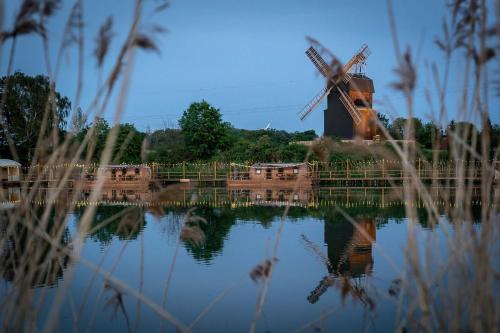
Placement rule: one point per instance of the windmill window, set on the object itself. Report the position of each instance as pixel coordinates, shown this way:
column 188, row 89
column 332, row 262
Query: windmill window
column 295, row 170
column 257, row 171
column 359, row 102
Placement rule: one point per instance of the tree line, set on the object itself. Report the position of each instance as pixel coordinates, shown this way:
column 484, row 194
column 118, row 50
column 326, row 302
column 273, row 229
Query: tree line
column 202, row 134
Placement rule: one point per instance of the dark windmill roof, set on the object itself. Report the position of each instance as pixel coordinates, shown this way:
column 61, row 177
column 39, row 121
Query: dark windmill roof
column 361, row 83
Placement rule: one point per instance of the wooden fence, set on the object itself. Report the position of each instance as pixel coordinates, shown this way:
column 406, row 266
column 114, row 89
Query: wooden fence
column 380, row 170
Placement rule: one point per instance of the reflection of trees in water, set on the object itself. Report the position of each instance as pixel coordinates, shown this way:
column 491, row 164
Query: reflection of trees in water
column 28, row 260
column 220, row 221
column 124, row 222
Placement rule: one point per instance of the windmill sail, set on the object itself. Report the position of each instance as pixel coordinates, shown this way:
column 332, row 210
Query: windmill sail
column 326, row 71
column 318, row 62
column 360, row 56
column 306, row 110
column 350, row 106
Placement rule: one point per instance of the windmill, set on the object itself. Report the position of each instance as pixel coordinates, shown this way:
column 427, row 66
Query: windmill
column 349, row 96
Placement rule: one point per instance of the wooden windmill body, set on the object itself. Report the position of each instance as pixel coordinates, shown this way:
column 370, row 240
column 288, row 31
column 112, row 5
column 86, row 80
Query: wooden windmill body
column 349, row 112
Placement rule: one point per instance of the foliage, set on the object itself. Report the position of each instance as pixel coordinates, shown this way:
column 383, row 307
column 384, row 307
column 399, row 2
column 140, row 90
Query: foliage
column 204, row 131
column 127, row 148
column 27, row 102
column 128, row 145
column 167, row 146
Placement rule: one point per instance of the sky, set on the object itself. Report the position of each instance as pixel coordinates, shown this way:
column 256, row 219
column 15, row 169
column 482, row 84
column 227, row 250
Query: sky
column 247, row 57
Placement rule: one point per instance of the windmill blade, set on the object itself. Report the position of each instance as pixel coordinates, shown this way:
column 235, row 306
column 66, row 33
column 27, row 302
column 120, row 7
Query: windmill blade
column 350, row 106
column 360, row 56
column 306, row 110
column 320, row 289
column 318, row 62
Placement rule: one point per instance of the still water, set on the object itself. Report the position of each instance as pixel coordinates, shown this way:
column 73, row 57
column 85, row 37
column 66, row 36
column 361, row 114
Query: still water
column 319, row 250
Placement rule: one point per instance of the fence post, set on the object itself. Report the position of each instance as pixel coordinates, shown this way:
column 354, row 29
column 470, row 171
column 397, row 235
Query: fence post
column 184, row 169
column 383, row 169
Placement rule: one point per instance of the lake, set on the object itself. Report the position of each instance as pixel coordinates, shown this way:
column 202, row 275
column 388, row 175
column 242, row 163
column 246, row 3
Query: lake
column 330, row 272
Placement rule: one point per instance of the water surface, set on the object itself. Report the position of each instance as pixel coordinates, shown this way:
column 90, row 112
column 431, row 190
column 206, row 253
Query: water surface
column 319, row 252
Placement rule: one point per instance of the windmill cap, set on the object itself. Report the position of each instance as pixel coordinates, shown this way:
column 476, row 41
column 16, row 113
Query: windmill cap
column 360, row 82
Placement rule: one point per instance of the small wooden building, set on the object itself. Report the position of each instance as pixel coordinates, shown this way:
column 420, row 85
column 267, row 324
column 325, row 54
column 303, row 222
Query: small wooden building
column 9, row 197
column 9, row 171
column 275, row 174
column 119, row 175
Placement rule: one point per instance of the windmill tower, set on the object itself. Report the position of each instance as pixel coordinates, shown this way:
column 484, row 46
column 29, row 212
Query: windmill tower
column 349, row 96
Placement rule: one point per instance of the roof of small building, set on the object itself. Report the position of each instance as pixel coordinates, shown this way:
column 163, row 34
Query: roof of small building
column 276, row 165
column 4, row 163
column 126, row 166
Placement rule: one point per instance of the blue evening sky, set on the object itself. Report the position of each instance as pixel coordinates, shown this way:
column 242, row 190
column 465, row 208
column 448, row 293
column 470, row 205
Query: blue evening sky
column 247, row 57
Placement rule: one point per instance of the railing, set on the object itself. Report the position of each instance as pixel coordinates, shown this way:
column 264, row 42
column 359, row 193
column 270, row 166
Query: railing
column 355, row 170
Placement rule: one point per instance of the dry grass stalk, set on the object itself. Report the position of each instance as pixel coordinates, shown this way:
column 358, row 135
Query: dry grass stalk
column 62, row 152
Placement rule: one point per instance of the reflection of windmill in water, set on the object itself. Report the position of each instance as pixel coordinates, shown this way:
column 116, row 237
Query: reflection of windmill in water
column 349, row 96
column 349, row 253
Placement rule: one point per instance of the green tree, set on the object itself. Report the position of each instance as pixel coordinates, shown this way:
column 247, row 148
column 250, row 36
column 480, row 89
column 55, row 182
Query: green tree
column 97, row 141
column 128, row 145
column 78, row 121
column 26, row 104
column 430, row 134
column 127, row 148
column 397, row 129
column 384, row 120
column 167, row 146
column 263, row 150
column 204, row 131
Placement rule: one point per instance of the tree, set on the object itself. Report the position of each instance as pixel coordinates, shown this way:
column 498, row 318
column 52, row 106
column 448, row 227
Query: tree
column 204, row 131
column 128, row 145
column 97, row 141
column 263, row 150
column 167, row 146
column 383, row 119
column 397, row 129
column 430, row 135
column 26, row 103
column 78, row 121
column 127, row 148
